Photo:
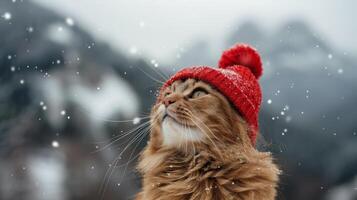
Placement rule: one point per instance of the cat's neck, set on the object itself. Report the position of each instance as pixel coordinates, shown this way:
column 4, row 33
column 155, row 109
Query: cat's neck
column 156, row 160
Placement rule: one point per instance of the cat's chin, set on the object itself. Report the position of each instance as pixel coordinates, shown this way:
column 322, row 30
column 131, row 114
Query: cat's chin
column 177, row 135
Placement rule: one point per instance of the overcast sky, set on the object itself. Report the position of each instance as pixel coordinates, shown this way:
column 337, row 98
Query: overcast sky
column 158, row 27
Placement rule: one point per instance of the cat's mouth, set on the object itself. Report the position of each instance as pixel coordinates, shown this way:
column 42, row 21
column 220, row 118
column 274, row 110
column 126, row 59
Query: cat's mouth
column 167, row 116
column 172, row 117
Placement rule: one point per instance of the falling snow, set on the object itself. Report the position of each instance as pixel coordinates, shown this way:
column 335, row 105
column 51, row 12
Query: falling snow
column 329, row 66
column 30, row 29
column 136, row 120
column 154, row 62
column 69, row 21
column 7, row 16
column 55, row 144
column 286, row 108
column 340, row 71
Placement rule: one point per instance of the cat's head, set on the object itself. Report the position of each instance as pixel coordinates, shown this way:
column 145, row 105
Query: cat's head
column 206, row 106
column 191, row 113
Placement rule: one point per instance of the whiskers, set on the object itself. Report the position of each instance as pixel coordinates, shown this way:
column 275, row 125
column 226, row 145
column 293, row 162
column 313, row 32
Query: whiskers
column 121, row 136
column 158, row 72
column 115, row 163
column 203, row 127
column 135, row 137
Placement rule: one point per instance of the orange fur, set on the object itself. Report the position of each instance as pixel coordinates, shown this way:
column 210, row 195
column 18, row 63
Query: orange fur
column 221, row 165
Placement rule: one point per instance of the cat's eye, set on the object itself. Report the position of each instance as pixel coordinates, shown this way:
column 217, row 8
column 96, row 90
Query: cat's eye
column 167, row 94
column 198, row 92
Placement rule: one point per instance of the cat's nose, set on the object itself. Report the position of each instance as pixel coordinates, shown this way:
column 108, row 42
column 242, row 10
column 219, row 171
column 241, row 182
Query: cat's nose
column 169, row 100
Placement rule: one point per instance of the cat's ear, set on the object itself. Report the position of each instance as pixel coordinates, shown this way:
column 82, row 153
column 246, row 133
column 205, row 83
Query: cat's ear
column 243, row 55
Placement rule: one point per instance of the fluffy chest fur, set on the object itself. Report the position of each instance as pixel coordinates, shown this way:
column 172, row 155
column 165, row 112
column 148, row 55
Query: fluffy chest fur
column 171, row 175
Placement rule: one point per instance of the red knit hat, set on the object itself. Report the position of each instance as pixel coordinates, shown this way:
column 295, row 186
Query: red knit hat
column 236, row 78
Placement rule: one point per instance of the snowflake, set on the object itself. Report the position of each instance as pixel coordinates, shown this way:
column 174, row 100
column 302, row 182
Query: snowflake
column 136, row 120
column 286, row 108
column 269, row 101
column 69, row 21
column 7, row 16
column 330, row 56
column 340, row 71
column 63, row 112
column 55, row 144
column 22, row 81
column 30, row 29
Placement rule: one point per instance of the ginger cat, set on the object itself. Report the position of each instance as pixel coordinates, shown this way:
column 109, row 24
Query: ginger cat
column 199, row 149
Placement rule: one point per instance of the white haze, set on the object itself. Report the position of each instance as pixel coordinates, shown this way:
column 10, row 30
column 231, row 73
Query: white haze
column 159, row 28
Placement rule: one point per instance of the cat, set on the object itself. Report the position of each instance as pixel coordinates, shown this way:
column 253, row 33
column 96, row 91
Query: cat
column 199, row 149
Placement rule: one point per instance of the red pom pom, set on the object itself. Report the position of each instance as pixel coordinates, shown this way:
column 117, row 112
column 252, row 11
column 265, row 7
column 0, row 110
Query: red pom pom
column 242, row 54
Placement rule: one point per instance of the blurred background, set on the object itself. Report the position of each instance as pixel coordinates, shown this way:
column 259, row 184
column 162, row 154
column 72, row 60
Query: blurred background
column 78, row 79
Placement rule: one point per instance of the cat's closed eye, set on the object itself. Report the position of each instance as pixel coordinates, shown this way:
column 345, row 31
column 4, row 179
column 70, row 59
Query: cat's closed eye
column 198, row 92
column 167, row 94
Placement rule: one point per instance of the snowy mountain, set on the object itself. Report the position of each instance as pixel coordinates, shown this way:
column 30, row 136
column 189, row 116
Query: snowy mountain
column 62, row 93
